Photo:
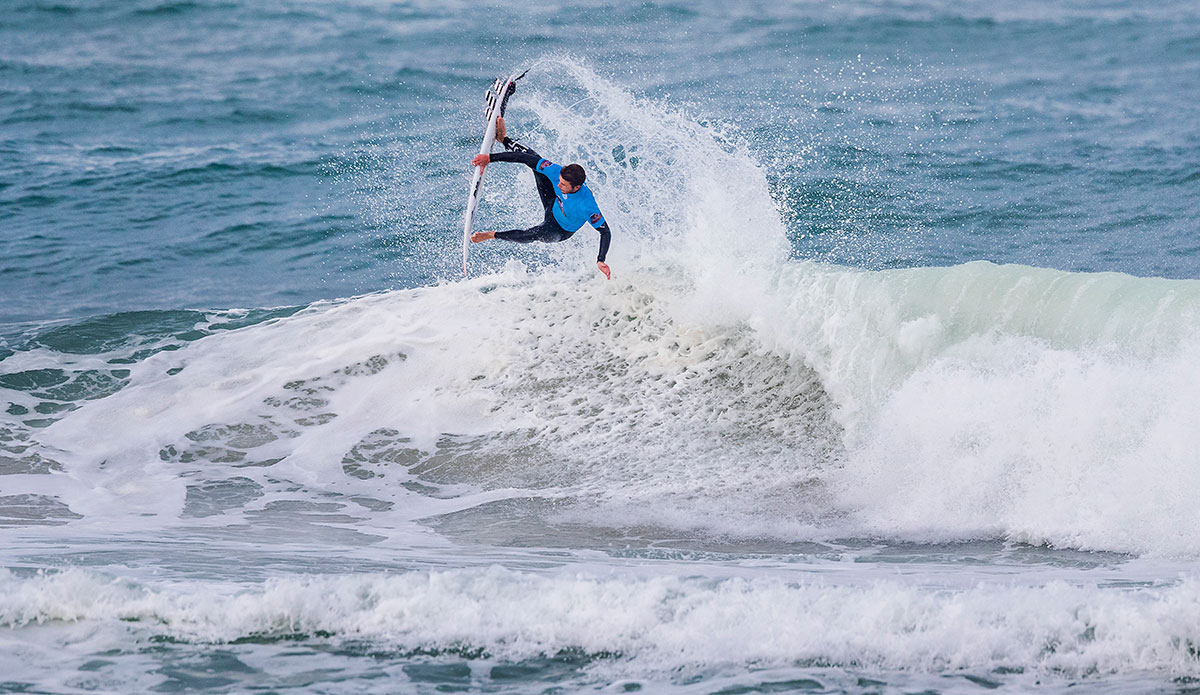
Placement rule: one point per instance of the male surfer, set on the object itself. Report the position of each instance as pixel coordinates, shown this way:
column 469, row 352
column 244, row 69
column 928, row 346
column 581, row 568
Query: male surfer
column 568, row 202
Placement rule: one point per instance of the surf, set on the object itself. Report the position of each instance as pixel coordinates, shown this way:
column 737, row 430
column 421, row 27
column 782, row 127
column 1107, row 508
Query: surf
column 716, row 386
column 622, row 625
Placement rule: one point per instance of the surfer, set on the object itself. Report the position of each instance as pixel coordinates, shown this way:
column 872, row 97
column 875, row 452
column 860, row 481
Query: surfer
column 567, row 200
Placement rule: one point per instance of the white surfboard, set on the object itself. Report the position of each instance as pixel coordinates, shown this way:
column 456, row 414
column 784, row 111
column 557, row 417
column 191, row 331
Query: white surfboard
column 496, row 97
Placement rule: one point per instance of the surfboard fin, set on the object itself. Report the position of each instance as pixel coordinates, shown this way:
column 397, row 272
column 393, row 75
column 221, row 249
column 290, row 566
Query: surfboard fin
column 495, row 91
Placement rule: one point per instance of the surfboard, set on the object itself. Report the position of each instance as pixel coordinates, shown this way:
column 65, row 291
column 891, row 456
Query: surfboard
column 497, row 100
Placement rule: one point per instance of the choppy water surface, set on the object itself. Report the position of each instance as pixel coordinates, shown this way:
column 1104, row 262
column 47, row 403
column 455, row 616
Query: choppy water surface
column 893, row 389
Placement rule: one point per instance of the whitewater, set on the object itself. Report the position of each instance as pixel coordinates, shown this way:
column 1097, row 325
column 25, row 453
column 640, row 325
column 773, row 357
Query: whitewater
column 732, row 468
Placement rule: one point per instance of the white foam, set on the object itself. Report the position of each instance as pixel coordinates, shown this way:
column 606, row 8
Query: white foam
column 1032, row 404
column 651, row 625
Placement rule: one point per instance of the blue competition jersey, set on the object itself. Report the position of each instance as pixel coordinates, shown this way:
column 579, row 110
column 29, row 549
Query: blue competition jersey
column 571, row 210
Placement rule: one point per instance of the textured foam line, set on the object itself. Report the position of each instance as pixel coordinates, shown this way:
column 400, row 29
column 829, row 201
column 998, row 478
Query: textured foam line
column 652, row 624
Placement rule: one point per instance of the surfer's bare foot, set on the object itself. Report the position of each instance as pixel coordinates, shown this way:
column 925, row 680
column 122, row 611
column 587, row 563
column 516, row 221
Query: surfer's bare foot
column 482, row 236
column 500, row 130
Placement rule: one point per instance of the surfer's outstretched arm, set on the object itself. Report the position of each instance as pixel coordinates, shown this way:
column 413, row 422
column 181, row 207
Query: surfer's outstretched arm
column 605, row 239
column 527, row 157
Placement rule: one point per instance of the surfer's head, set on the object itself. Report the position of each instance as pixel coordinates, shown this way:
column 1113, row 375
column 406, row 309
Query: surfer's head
column 571, row 178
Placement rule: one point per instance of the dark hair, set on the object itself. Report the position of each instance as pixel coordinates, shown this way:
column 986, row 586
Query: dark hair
column 574, row 175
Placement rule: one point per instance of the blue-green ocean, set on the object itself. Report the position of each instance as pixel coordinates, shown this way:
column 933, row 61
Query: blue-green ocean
column 894, row 388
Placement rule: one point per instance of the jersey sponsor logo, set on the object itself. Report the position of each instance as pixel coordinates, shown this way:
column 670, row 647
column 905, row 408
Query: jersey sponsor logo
column 595, row 218
column 545, row 163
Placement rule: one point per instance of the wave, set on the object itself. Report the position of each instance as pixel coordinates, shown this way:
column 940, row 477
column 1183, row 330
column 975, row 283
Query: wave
column 932, row 404
column 712, row 385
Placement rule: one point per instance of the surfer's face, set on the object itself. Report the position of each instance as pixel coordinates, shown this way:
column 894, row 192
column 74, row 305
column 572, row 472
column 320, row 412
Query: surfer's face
column 565, row 186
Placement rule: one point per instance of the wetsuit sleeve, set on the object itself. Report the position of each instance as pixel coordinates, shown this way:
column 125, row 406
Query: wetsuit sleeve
column 605, row 238
column 596, row 219
column 529, row 158
column 524, row 155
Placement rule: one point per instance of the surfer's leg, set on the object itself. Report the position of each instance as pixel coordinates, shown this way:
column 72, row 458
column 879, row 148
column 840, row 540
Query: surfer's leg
column 544, row 187
column 545, row 191
column 547, row 232
column 514, row 146
column 521, row 236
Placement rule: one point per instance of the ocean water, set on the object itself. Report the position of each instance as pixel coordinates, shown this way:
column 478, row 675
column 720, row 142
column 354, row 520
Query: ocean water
column 895, row 387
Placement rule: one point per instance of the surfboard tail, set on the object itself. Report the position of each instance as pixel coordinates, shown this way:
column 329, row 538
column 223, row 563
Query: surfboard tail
column 501, row 90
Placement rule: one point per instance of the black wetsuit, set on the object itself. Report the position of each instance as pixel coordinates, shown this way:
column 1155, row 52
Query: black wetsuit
column 550, row 230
